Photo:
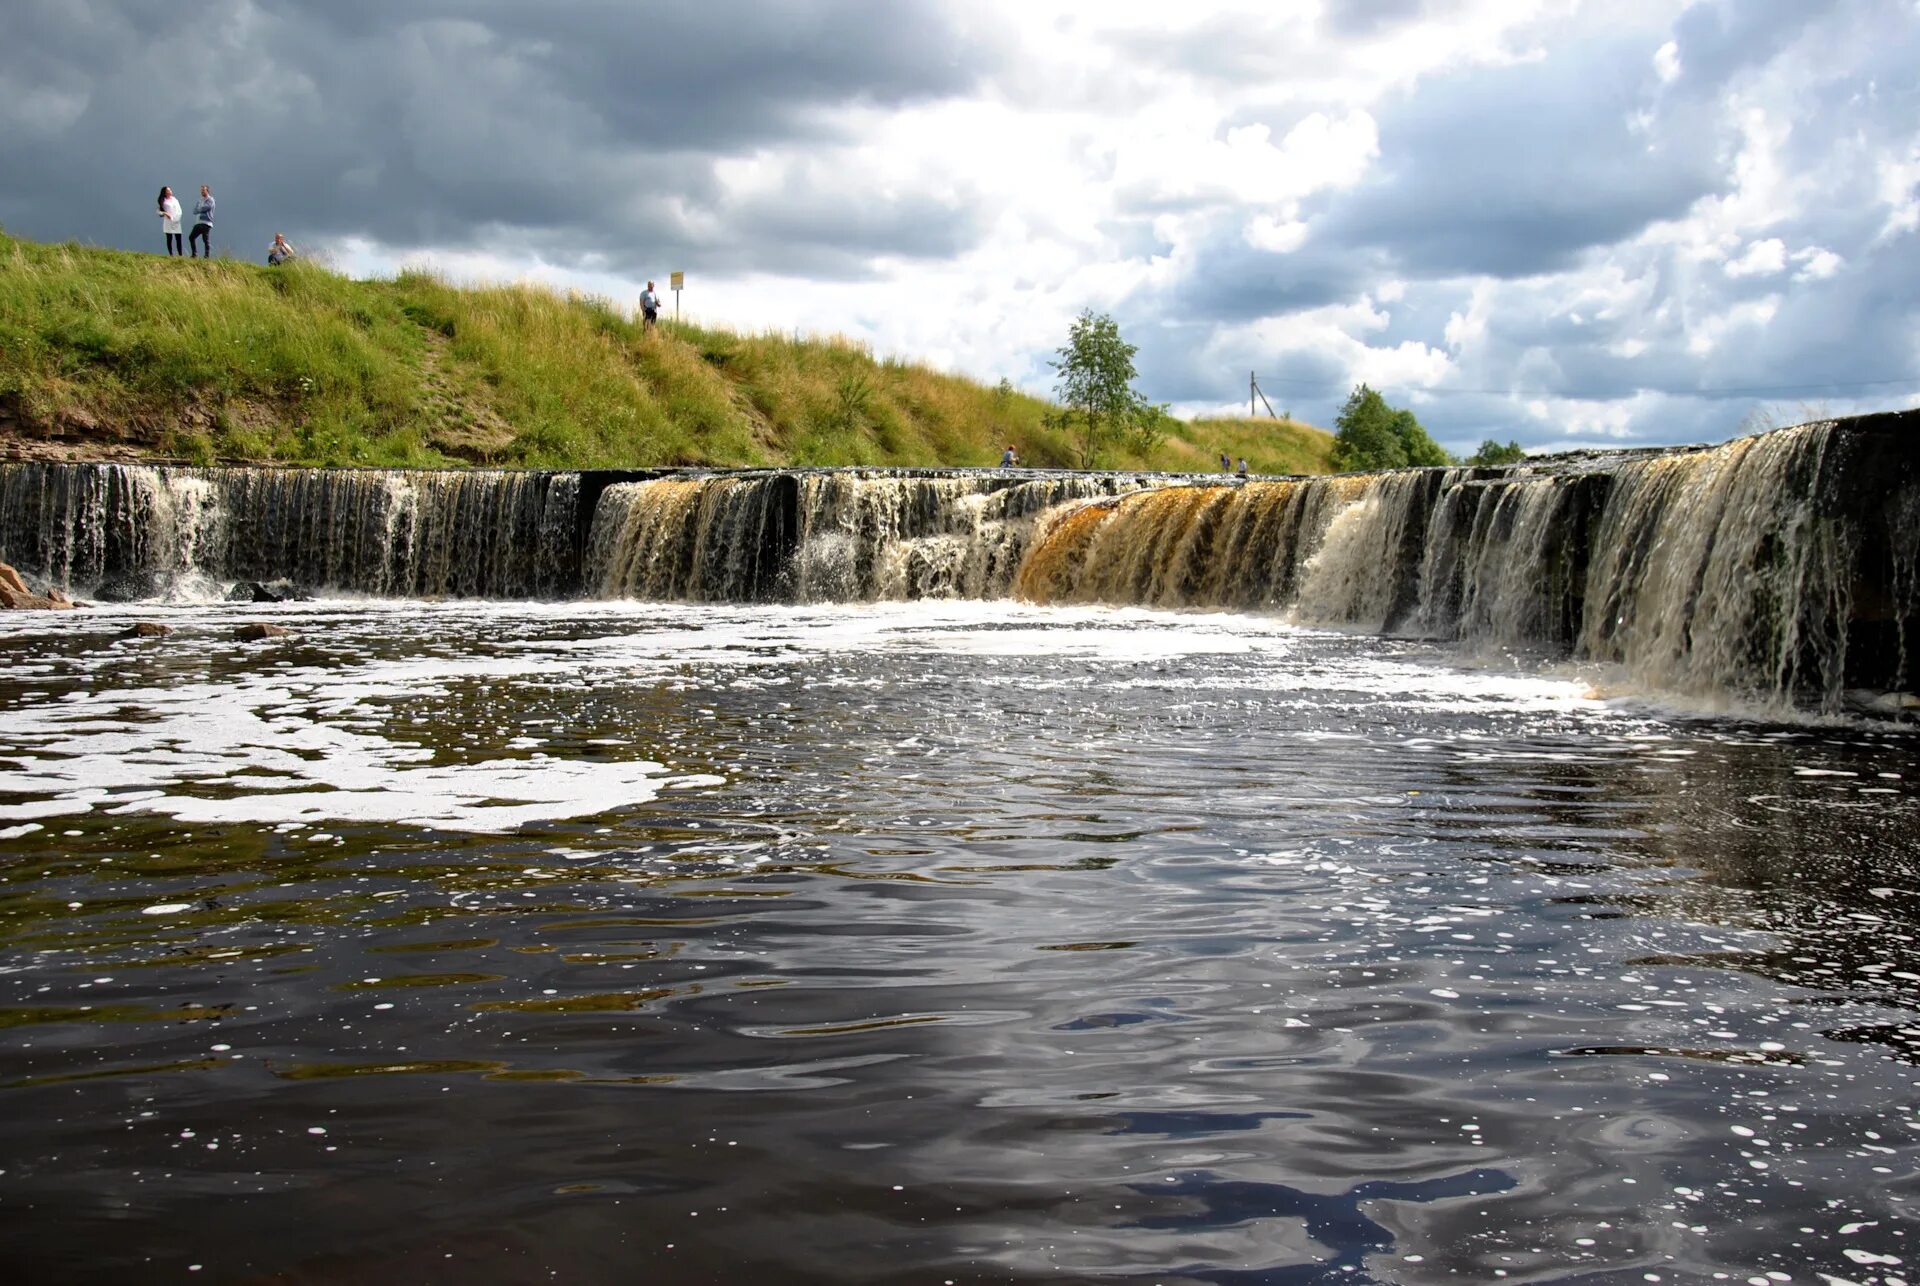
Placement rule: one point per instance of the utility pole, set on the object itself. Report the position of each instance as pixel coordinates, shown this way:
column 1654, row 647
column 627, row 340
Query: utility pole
column 1253, row 391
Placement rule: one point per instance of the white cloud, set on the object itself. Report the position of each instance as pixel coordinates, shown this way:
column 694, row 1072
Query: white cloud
column 1268, row 233
column 1816, row 264
column 1708, row 333
column 1899, row 179
column 1762, row 259
column 1666, row 62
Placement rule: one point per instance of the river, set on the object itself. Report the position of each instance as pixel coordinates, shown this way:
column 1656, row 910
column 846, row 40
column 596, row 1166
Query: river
column 939, row 941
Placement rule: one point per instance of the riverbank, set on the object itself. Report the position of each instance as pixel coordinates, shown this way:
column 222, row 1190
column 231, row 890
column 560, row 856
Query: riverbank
column 112, row 355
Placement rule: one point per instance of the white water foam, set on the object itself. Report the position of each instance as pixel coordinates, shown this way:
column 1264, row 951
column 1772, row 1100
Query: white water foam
column 302, row 746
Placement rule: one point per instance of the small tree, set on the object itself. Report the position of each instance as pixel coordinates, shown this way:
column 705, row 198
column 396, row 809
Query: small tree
column 1492, row 452
column 1096, row 386
column 1373, row 435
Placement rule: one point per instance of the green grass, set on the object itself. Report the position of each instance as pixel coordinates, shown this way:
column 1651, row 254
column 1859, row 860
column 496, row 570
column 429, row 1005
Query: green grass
column 229, row 361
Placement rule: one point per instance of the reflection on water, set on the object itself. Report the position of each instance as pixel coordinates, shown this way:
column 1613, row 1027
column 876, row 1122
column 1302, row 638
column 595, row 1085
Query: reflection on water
column 924, row 943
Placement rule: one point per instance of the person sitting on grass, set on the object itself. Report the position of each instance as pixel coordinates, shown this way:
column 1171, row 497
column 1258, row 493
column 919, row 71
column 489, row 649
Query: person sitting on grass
column 279, row 252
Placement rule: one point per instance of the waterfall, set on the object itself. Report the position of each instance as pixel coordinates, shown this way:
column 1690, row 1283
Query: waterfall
column 1504, row 558
column 1722, row 567
column 829, row 536
column 402, row 533
column 696, row 539
column 1235, row 546
column 1332, row 550
column 1784, row 566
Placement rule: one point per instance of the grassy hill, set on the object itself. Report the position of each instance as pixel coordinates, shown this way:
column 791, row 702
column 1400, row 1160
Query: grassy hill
column 106, row 354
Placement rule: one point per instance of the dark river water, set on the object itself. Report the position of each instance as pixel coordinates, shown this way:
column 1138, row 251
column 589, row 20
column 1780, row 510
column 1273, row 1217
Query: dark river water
column 932, row 943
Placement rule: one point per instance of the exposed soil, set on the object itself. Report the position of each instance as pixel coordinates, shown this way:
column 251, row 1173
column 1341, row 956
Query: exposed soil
column 72, row 437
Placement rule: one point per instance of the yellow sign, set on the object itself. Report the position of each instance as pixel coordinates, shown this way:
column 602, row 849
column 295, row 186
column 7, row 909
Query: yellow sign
column 678, row 280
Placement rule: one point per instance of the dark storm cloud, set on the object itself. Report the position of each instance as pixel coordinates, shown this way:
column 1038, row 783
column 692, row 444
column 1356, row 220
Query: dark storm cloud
column 1233, row 280
column 1717, row 41
column 570, row 130
column 1517, row 170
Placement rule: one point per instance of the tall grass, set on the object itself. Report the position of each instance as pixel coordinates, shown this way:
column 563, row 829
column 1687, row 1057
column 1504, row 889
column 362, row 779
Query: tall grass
column 221, row 360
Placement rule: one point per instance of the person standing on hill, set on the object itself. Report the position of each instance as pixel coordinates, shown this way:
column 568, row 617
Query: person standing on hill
column 279, row 252
column 202, row 234
column 649, row 307
column 170, row 220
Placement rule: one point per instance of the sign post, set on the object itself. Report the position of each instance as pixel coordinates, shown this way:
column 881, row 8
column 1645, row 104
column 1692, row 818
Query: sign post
column 677, row 280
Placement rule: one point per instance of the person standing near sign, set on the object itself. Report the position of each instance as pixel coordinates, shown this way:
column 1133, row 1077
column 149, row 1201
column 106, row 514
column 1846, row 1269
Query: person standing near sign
column 649, row 307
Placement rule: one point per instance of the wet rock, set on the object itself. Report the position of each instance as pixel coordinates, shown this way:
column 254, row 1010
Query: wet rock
column 261, row 630
column 1904, row 704
column 128, row 587
column 252, row 591
column 147, row 630
column 279, row 591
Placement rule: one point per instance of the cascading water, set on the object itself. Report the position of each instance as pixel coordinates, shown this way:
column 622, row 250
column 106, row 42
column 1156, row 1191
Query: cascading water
column 1504, row 557
column 1721, row 567
column 138, row 530
column 1781, row 566
column 821, row 537
column 1241, row 546
column 693, row 539
column 1785, row 566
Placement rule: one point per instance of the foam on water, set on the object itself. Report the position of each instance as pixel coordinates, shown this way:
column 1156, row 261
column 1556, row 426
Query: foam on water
column 308, row 744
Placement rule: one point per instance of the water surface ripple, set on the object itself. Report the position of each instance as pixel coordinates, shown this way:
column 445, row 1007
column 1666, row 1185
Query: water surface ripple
column 924, row 943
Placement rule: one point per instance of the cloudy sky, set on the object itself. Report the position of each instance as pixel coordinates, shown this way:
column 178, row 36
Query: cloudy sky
column 1569, row 223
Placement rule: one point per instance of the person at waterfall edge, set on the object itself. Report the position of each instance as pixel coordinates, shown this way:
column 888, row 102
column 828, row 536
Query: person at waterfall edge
column 1226, row 463
column 1008, row 458
column 202, row 234
column 1241, row 472
column 649, row 307
column 170, row 221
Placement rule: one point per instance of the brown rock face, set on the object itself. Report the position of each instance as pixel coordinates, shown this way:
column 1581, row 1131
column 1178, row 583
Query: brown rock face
column 261, row 630
column 147, row 630
column 15, row 595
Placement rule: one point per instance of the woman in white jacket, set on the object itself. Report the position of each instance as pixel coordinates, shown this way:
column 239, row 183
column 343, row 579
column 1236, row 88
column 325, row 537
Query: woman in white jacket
column 170, row 219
